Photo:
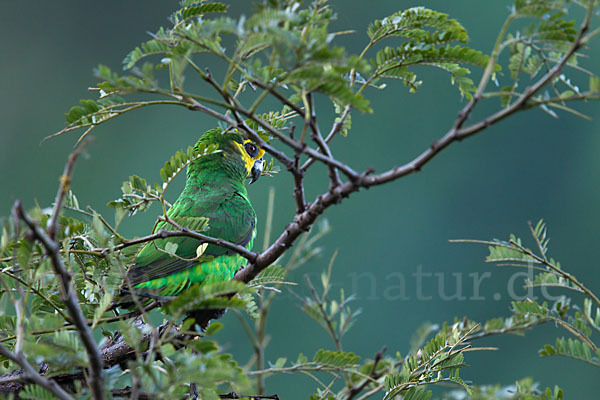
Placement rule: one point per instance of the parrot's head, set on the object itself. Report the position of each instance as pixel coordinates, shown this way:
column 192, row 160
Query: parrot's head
column 239, row 157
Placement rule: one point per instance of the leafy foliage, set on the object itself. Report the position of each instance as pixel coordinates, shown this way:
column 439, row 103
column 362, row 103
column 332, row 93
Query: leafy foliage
column 428, row 36
column 284, row 47
column 335, row 358
column 34, row 392
column 138, row 195
column 286, row 51
column 572, row 348
column 438, row 361
column 274, row 274
column 208, row 296
column 581, row 321
column 523, row 389
column 534, row 49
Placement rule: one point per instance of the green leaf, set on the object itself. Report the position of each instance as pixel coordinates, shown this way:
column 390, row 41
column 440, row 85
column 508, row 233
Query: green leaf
column 411, row 23
column 24, row 250
column 280, row 362
column 394, row 62
column 167, row 350
column 347, row 122
column 301, row 359
column 534, row 65
column 205, row 346
column 530, row 307
column 213, row 328
column 194, row 11
column 171, row 248
column 206, row 296
column 180, row 160
column 338, row 359
column 146, row 49
column 536, row 8
column 571, row 348
column 505, row 98
column 36, row 392
column 594, row 84
column 132, row 335
column 421, row 335
column 61, row 349
column 86, row 108
column 273, row 274
column 505, row 251
column 518, row 59
column 103, row 305
column 138, row 183
column 99, row 230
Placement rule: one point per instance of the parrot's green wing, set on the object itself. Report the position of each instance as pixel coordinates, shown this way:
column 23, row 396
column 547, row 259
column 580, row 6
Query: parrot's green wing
column 231, row 217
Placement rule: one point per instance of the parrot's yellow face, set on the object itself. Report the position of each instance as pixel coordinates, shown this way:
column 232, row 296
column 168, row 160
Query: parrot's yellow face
column 252, row 155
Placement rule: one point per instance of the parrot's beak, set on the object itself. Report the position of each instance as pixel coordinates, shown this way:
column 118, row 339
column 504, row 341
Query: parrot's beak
column 257, row 170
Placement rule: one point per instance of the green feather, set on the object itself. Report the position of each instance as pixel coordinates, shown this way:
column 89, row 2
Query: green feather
column 215, row 190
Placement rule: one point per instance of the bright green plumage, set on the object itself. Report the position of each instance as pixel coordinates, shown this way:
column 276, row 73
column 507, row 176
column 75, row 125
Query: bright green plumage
column 215, row 189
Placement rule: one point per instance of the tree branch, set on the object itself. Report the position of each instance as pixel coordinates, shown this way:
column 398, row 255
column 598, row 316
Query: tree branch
column 96, row 381
column 29, row 373
column 294, row 144
column 279, row 97
column 303, row 221
column 117, row 352
column 459, row 133
column 280, row 156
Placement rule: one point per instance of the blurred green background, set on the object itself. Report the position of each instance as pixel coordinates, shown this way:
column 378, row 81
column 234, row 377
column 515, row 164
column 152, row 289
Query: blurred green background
column 528, row 167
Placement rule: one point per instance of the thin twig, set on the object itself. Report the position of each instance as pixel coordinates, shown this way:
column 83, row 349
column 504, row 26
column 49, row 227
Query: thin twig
column 241, row 250
column 355, row 390
column 294, row 144
column 515, row 329
column 337, row 127
column 329, row 325
column 298, row 176
column 334, row 178
column 38, row 293
column 182, row 232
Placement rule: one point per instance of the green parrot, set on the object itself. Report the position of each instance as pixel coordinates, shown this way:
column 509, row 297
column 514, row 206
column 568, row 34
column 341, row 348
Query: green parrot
column 214, row 189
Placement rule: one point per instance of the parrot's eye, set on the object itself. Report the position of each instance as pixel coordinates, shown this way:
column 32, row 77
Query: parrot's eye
column 251, row 149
